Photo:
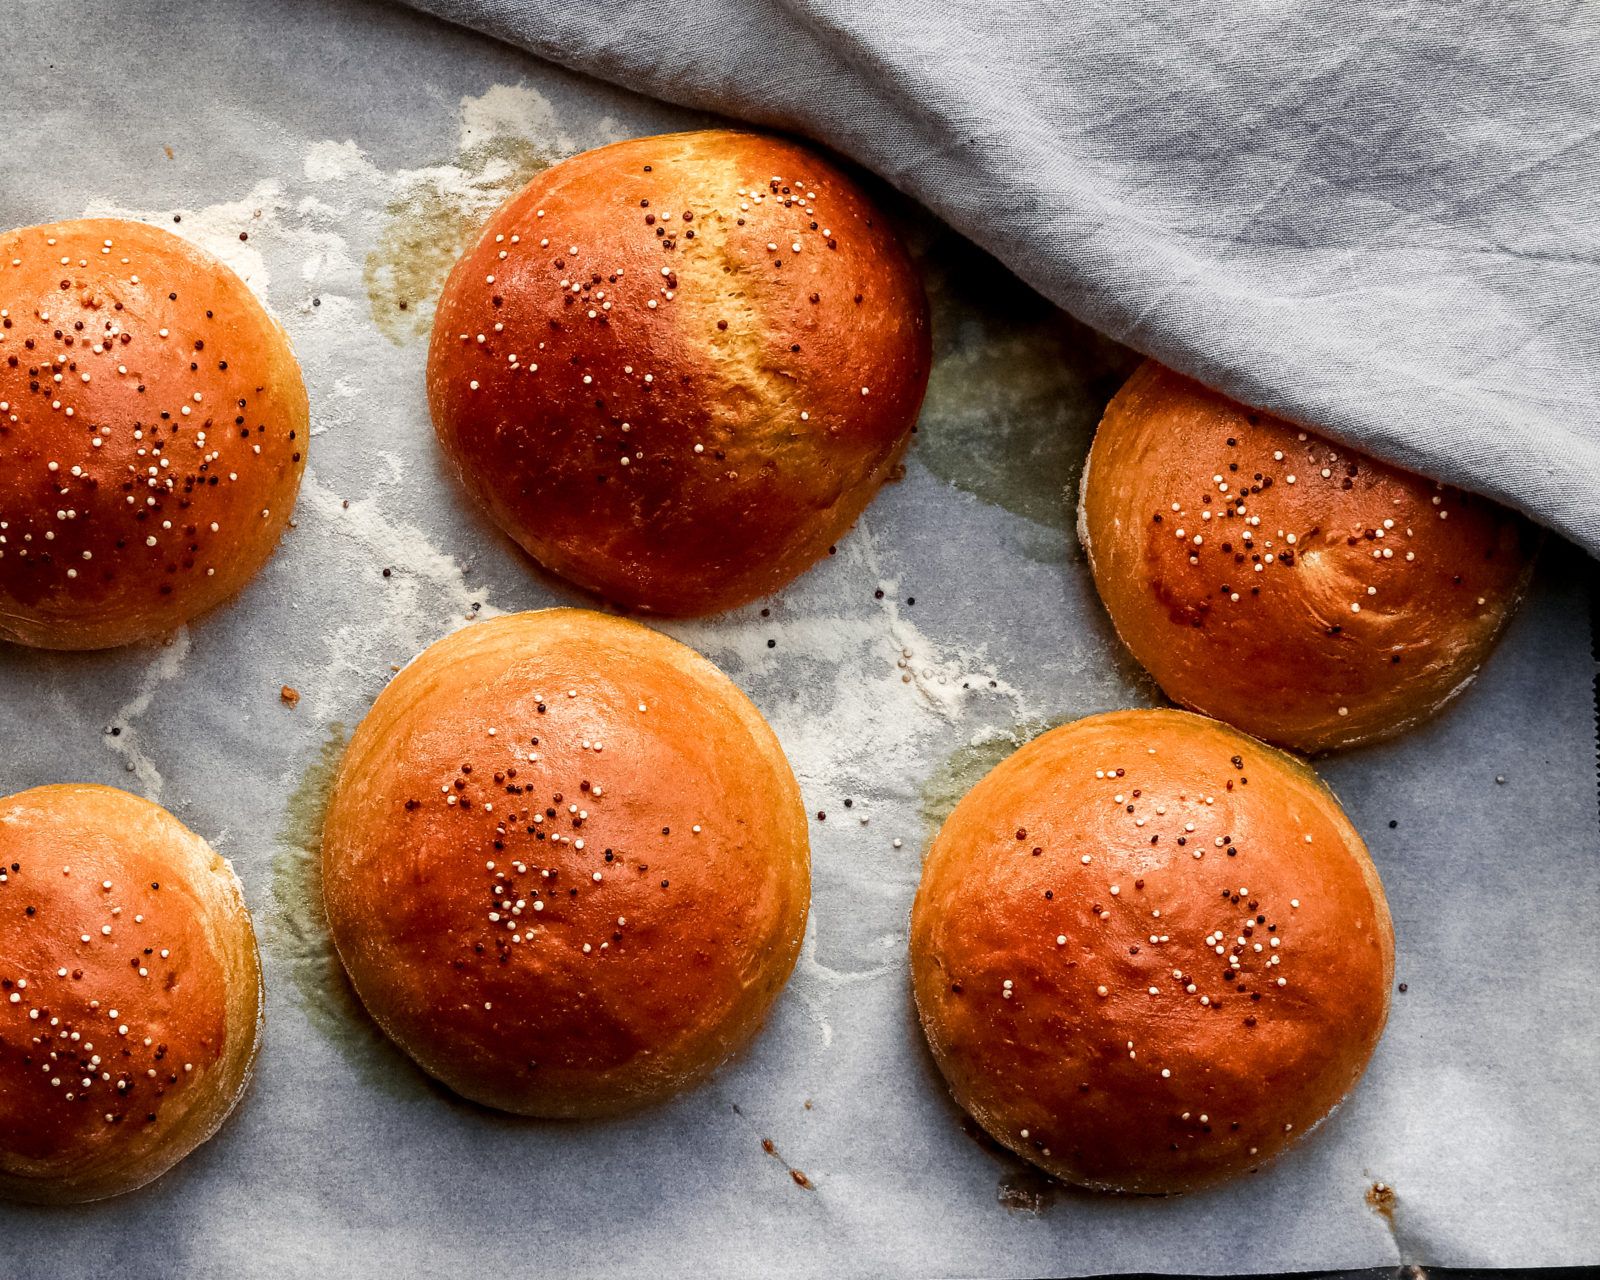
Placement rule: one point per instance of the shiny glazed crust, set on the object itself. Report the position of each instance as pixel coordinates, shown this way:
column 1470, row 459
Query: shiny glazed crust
column 1378, row 593
column 566, row 864
column 127, row 961
column 676, row 369
column 153, row 426
column 1150, row 952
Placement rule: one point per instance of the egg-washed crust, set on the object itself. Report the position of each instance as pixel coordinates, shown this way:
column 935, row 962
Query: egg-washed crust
column 566, row 864
column 1308, row 594
column 1150, row 952
column 153, row 429
column 676, row 369
column 130, row 993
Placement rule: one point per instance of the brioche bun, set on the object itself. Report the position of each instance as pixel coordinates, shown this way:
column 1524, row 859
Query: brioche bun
column 676, row 369
column 566, row 864
column 153, row 420
column 130, row 993
column 1149, row 952
column 1305, row 593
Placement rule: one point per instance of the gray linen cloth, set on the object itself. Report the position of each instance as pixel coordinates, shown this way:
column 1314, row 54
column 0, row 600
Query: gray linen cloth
column 1378, row 219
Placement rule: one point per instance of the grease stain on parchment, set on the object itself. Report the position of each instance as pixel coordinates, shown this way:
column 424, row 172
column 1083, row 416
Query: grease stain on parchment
column 299, row 936
column 1016, row 391
column 966, row 767
column 1021, row 1187
column 1027, row 1190
column 431, row 221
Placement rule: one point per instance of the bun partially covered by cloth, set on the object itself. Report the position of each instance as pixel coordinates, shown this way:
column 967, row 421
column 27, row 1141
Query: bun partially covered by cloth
column 1287, row 585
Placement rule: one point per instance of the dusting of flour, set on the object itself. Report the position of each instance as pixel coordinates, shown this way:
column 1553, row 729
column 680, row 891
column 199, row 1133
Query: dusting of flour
column 216, row 228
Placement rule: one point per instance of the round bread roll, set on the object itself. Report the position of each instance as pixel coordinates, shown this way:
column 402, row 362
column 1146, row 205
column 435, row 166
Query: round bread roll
column 153, row 422
column 565, row 864
column 1303, row 592
column 676, row 369
column 1150, row 952
column 130, row 993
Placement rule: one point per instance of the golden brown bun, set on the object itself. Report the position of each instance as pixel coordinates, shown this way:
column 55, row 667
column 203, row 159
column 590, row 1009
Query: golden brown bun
column 121, row 334
column 1377, row 596
column 713, row 352
column 1065, row 896
column 566, row 864
column 130, row 993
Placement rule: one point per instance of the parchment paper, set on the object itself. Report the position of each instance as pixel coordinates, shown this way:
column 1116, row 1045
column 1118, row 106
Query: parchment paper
column 356, row 146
